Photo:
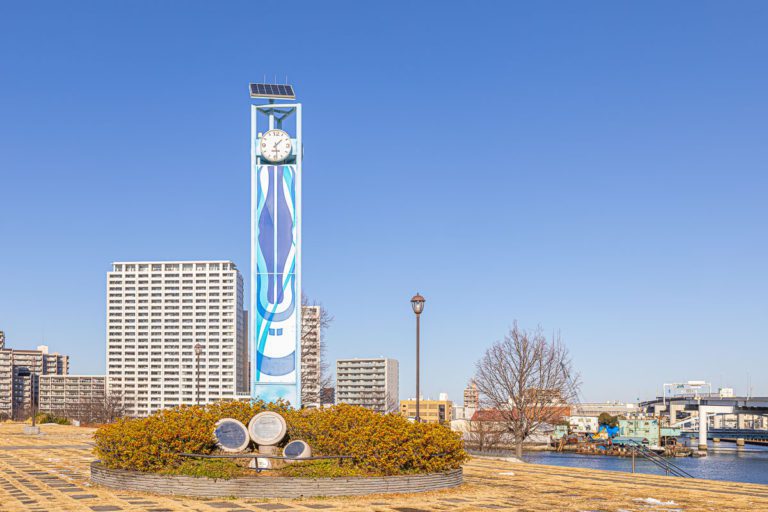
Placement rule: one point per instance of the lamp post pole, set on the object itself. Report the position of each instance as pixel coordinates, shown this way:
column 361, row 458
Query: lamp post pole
column 417, row 303
column 198, row 351
column 32, row 396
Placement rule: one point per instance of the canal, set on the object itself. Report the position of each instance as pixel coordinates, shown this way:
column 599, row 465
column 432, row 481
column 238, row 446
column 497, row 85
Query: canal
column 725, row 462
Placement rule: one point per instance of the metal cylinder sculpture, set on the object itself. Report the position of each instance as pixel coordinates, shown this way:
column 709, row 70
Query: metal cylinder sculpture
column 267, row 428
column 296, row 450
column 231, row 435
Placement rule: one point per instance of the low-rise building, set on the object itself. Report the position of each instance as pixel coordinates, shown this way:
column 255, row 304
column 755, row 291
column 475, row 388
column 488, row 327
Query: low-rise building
column 82, row 397
column 612, row 408
column 430, row 411
column 583, row 424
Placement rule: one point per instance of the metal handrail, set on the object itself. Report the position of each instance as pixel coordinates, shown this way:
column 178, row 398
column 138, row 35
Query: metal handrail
column 659, row 461
column 262, row 456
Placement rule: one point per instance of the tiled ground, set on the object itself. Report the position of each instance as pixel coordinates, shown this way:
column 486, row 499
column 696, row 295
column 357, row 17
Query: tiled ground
column 50, row 473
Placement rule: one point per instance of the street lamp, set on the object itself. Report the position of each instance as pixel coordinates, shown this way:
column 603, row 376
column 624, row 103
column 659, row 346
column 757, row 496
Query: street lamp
column 417, row 303
column 198, row 351
column 25, row 372
column 32, row 392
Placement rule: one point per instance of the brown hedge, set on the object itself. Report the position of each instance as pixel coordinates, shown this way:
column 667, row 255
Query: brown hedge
column 380, row 444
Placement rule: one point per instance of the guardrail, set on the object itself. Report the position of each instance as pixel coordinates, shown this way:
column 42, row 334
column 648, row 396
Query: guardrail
column 653, row 457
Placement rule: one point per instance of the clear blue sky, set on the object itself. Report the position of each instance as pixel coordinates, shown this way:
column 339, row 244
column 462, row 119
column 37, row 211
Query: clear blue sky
column 594, row 167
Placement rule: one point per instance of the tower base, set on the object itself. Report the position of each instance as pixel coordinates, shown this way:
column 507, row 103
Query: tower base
column 274, row 392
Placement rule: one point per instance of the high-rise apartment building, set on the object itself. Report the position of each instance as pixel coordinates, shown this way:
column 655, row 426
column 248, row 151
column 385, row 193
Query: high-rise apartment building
column 20, row 371
column 310, row 356
column 371, row 382
column 157, row 313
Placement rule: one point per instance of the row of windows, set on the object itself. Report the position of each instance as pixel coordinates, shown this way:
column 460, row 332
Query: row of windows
column 168, row 294
column 211, row 312
column 169, row 288
column 201, row 279
column 167, row 301
column 201, row 275
column 200, row 329
column 132, row 267
column 114, row 342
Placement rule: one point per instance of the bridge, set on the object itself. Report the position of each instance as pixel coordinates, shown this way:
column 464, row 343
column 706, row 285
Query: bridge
column 709, row 406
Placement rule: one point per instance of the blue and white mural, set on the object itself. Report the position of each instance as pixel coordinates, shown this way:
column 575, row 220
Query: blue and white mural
column 276, row 300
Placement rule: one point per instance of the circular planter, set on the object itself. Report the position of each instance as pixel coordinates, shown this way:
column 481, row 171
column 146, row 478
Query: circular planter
column 270, row 487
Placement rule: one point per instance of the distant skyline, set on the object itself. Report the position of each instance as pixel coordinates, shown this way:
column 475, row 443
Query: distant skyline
column 597, row 169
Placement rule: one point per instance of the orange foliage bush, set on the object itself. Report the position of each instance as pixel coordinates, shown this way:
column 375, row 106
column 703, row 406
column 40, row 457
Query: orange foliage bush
column 380, row 444
column 153, row 443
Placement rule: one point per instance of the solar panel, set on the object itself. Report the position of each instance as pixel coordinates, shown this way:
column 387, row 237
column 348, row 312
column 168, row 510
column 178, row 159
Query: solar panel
column 272, row 91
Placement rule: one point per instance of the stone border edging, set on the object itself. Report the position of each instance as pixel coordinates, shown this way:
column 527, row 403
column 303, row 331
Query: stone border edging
column 270, row 487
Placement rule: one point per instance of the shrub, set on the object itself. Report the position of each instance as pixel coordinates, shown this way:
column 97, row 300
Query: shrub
column 155, row 442
column 320, row 469
column 380, row 444
column 208, row 468
column 46, row 417
column 388, row 444
column 606, row 419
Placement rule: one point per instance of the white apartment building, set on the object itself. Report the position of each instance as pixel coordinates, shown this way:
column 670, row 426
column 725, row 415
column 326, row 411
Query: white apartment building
column 157, row 313
column 20, row 372
column 72, row 395
column 310, row 356
column 372, row 383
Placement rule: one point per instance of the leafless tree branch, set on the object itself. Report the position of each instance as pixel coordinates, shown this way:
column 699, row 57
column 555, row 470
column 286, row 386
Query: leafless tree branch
column 526, row 381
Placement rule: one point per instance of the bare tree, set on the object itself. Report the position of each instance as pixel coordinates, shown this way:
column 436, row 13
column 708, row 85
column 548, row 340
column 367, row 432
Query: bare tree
column 315, row 371
column 484, row 435
column 95, row 409
column 528, row 380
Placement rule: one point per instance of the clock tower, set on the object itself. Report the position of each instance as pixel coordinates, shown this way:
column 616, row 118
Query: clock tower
column 275, row 317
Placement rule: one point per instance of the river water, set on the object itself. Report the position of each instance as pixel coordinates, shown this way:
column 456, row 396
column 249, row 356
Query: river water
column 725, row 462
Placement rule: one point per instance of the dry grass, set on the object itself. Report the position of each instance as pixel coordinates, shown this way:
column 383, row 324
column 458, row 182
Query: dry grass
column 50, row 472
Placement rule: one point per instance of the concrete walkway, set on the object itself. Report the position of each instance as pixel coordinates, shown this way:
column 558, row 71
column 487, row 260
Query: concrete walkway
column 50, row 473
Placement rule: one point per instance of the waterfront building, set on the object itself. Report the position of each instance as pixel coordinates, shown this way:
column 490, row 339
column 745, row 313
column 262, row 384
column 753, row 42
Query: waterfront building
column 158, row 312
column 430, row 411
column 583, row 424
column 310, row 356
column 647, row 428
column 370, row 382
column 73, row 396
column 20, row 371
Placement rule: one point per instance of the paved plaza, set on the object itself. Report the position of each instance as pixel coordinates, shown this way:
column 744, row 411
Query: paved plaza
column 50, row 473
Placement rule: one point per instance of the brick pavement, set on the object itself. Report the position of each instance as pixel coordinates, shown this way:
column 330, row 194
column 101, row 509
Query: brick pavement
column 50, row 473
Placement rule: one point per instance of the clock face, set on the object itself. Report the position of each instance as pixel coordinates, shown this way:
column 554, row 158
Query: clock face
column 275, row 145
